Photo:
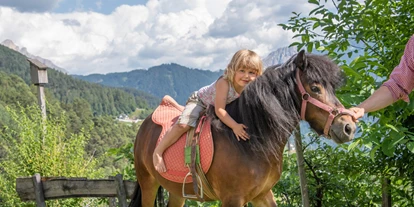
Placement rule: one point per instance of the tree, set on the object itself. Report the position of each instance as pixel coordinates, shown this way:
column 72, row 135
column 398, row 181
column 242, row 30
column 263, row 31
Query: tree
column 35, row 146
column 367, row 39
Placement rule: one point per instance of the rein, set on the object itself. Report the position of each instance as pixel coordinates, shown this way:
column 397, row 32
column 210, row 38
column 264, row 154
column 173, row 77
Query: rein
column 333, row 112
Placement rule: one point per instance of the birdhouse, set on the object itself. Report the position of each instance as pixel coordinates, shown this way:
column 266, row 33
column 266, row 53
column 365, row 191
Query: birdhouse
column 38, row 72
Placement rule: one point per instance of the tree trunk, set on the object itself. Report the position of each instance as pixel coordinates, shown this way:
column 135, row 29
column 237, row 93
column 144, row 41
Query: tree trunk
column 386, row 192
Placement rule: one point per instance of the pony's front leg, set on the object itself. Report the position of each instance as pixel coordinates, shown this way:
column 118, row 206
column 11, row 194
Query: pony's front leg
column 232, row 202
column 175, row 201
column 268, row 200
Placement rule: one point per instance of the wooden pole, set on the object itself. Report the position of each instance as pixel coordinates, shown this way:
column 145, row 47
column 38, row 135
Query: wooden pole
column 38, row 74
column 42, row 105
column 120, row 191
column 38, row 188
column 301, row 168
column 42, row 100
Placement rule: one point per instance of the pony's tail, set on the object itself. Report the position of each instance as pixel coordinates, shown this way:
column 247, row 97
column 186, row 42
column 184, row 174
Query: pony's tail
column 137, row 196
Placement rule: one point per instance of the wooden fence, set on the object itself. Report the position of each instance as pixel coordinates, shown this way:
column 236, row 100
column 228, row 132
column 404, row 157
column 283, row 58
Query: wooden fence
column 39, row 189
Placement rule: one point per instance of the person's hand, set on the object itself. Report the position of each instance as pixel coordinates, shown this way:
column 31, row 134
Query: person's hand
column 359, row 112
column 240, row 132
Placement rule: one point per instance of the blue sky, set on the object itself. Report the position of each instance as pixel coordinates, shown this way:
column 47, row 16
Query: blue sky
column 102, row 6
column 102, row 36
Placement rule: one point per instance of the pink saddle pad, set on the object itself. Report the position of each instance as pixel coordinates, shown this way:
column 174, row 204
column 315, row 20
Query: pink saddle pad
column 166, row 114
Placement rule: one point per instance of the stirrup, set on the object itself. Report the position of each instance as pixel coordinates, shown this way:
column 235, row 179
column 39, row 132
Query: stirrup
column 201, row 187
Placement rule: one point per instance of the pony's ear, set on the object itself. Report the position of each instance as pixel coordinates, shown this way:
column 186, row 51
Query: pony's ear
column 300, row 60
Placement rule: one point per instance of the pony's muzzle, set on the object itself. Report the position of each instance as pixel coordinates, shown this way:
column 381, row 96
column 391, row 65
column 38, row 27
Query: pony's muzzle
column 343, row 129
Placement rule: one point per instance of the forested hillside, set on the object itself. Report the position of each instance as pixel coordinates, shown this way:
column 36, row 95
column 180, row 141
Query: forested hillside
column 166, row 79
column 80, row 127
column 75, row 143
column 76, row 137
column 86, row 106
column 103, row 100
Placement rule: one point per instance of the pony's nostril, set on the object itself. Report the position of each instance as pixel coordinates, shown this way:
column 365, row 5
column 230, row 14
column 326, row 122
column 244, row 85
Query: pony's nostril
column 348, row 129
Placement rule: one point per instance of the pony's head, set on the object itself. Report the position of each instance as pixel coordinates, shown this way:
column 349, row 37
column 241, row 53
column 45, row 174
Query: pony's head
column 317, row 78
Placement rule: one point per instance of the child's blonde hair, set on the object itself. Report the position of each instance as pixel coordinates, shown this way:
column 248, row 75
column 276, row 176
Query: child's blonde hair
column 243, row 59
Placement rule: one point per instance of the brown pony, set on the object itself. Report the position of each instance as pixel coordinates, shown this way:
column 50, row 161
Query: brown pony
column 271, row 107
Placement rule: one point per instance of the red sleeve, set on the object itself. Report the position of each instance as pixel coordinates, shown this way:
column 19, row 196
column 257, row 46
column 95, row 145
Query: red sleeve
column 401, row 81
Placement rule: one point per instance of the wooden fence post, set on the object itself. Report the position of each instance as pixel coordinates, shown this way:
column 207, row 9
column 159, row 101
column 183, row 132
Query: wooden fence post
column 301, row 168
column 38, row 188
column 120, row 191
column 112, row 200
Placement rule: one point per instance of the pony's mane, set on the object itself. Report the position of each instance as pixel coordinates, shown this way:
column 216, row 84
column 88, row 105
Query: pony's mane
column 269, row 106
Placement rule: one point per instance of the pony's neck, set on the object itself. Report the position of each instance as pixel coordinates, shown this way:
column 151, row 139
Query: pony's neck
column 269, row 107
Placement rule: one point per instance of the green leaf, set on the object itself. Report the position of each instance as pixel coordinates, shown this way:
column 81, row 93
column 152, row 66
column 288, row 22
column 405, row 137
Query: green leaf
column 410, row 146
column 392, row 127
column 321, row 48
column 353, row 144
column 389, row 151
column 351, row 71
column 397, row 140
column 316, row 9
column 315, row 25
column 310, row 47
column 314, row 2
column 372, row 153
column 387, row 147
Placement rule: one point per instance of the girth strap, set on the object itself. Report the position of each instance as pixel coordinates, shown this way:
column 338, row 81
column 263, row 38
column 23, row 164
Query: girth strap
column 196, row 171
column 208, row 189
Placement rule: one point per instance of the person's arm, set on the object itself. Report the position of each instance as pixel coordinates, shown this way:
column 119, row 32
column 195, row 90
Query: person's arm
column 380, row 99
column 398, row 86
column 222, row 88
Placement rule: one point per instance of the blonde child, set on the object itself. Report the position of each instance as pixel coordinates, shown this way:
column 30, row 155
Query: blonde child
column 243, row 68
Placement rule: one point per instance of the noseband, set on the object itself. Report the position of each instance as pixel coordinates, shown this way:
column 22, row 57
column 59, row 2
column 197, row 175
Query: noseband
column 333, row 112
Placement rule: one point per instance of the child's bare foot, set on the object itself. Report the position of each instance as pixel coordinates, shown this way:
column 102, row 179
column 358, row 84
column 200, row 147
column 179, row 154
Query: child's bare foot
column 158, row 162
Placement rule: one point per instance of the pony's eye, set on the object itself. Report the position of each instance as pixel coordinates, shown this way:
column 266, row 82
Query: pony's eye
column 315, row 89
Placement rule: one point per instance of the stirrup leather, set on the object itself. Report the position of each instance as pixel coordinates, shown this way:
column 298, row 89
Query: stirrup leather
column 192, row 158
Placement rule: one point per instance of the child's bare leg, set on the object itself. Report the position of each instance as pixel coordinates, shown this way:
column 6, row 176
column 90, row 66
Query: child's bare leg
column 169, row 138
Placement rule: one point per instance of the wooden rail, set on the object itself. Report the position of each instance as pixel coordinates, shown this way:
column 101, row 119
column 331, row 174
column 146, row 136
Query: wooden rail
column 39, row 189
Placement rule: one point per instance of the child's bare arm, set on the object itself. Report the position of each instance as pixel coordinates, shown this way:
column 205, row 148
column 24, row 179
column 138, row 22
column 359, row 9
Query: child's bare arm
column 222, row 88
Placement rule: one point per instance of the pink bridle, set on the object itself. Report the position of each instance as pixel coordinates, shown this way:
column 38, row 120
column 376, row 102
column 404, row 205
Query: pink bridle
column 333, row 112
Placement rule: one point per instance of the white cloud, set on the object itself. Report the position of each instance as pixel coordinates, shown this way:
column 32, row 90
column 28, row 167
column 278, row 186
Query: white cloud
column 195, row 33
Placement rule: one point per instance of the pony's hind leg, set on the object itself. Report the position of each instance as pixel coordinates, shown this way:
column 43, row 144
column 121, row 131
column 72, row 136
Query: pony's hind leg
column 149, row 188
column 176, row 201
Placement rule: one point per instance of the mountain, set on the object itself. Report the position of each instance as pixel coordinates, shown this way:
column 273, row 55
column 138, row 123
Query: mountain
column 103, row 100
column 167, row 79
column 279, row 56
column 10, row 44
column 172, row 79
